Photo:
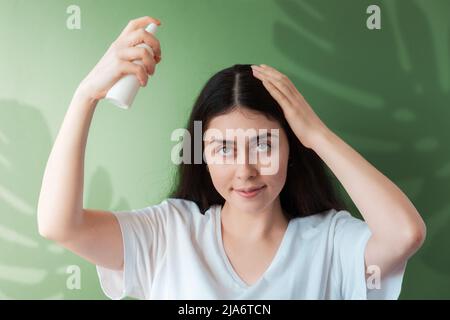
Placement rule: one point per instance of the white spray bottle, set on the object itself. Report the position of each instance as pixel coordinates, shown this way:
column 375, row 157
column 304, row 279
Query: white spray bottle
column 122, row 94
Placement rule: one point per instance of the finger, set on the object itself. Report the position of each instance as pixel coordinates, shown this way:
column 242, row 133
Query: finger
column 279, row 75
column 279, row 84
column 266, row 72
column 138, row 70
column 272, row 71
column 281, row 98
column 138, row 53
column 279, row 79
column 141, row 36
column 139, row 23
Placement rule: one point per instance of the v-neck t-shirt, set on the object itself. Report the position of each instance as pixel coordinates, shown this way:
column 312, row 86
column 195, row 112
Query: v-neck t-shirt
column 173, row 251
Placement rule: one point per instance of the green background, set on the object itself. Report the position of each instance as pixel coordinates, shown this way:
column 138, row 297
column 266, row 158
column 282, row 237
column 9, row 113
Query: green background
column 385, row 92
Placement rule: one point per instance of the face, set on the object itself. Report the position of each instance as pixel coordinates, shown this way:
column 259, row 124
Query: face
column 243, row 161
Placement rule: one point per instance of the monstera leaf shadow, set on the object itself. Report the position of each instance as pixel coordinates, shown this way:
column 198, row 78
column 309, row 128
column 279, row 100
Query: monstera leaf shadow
column 32, row 267
column 386, row 93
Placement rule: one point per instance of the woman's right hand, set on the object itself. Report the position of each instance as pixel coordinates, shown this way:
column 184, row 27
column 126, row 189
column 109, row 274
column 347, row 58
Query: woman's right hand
column 117, row 61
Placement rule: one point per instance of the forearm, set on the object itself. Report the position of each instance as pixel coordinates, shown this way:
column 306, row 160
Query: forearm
column 388, row 212
column 61, row 197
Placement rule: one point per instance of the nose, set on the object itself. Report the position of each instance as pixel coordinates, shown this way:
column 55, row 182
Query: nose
column 246, row 169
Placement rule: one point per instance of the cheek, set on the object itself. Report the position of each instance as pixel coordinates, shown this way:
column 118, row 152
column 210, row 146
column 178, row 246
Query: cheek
column 221, row 178
column 278, row 178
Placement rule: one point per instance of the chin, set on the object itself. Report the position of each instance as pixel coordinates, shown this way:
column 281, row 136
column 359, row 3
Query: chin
column 248, row 207
column 257, row 203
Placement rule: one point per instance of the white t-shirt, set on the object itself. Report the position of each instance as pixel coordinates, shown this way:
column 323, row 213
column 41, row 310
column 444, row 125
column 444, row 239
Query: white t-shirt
column 172, row 251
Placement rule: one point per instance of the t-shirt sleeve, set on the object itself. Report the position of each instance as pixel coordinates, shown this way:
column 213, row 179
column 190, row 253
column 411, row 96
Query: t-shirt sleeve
column 143, row 237
column 350, row 240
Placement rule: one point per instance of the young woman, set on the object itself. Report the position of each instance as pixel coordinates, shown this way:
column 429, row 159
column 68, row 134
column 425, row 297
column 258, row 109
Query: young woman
column 229, row 231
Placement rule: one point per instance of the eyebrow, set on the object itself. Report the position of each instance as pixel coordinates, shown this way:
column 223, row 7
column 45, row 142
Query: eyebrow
column 268, row 135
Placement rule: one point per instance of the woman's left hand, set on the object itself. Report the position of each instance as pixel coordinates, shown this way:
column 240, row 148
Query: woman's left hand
column 303, row 121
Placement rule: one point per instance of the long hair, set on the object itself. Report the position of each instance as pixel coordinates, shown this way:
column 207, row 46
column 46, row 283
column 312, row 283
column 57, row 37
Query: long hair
column 308, row 188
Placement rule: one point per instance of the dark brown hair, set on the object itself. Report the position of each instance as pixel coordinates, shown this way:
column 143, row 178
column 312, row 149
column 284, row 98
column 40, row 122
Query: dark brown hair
column 308, row 189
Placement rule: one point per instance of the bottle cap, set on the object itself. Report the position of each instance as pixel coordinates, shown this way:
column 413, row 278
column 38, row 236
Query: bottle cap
column 122, row 94
column 151, row 28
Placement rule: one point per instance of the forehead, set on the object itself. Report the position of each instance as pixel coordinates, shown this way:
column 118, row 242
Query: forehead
column 242, row 119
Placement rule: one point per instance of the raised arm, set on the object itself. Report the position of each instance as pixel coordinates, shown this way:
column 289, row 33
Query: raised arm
column 93, row 234
column 397, row 228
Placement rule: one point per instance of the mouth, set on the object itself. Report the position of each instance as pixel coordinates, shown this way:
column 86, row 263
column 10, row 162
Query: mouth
column 250, row 192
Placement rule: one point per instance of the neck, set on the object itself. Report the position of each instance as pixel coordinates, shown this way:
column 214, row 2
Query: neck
column 254, row 225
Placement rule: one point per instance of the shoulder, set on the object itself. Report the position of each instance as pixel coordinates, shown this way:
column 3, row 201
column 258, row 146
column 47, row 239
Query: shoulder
column 324, row 218
column 327, row 222
column 181, row 207
column 173, row 209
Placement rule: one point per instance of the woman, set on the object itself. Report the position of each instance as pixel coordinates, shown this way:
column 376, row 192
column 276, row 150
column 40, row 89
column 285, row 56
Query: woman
column 230, row 229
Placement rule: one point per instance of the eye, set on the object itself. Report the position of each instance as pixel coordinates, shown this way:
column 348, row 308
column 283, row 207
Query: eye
column 262, row 146
column 224, row 151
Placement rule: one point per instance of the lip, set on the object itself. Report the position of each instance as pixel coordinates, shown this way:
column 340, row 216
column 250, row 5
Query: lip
column 249, row 194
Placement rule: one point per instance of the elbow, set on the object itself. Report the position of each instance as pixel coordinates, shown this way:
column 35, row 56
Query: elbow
column 51, row 233
column 43, row 224
column 46, row 233
column 42, row 229
column 414, row 238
